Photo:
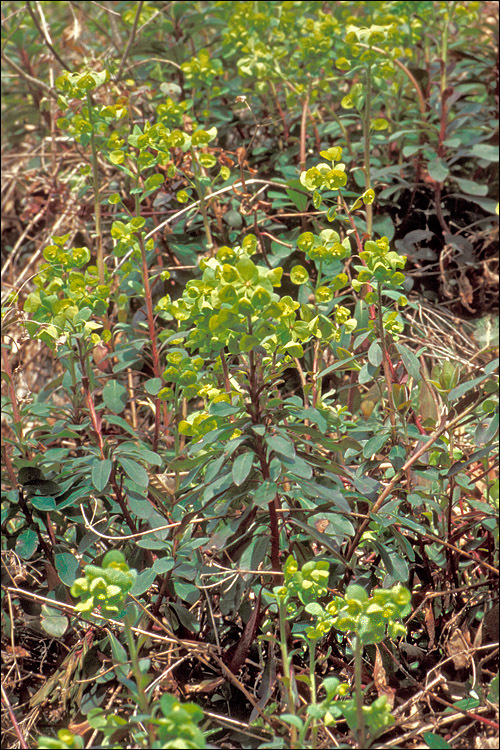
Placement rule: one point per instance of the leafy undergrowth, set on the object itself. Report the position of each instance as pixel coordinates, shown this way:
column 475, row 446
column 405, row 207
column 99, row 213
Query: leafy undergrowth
column 249, row 352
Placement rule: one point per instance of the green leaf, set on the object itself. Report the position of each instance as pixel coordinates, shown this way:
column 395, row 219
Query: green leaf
column 491, row 366
column 255, row 553
column 140, row 452
column 67, row 566
column 375, row 354
column 247, row 269
column 298, row 199
column 410, row 361
column 493, row 691
column 264, row 494
column 464, row 388
column 118, row 651
column 281, row 445
column 367, row 373
column 458, row 466
column 438, row 170
column 380, row 123
column 395, row 565
column 489, row 205
column 45, row 486
column 242, row 467
column 53, row 622
column 214, row 468
column 43, row 503
column 321, row 491
column 374, row 444
column 120, row 422
column 247, row 343
column 26, row 544
column 315, row 609
column 116, row 157
column 486, row 430
column 154, row 181
column 163, row 564
column 152, row 386
column 485, row 151
column 115, row 396
column 323, row 539
column 100, row 473
column 471, row 187
column 141, row 507
column 467, row 704
column 135, row 471
column 295, row 721
column 223, row 409
column 340, row 525
column 219, row 485
column 435, row 741
column 186, row 617
column 297, row 466
column 410, row 150
column 28, row 474
column 233, row 218
column 74, row 498
column 317, row 200
column 143, row 582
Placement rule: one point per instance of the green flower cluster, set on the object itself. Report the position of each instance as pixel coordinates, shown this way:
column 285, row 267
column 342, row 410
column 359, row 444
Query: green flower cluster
column 325, row 248
column 105, row 588
column 234, row 305
column 326, row 176
column 65, row 298
column 381, row 265
column 177, row 727
column 307, row 584
column 372, row 618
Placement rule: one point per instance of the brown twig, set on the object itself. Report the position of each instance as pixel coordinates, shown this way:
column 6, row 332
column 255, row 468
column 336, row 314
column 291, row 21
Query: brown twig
column 130, row 40
column 30, row 79
column 45, row 36
column 13, row 719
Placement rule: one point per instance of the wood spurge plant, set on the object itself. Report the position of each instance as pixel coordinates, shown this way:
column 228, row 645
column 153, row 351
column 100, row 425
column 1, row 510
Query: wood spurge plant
column 368, row 619
column 250, row 391
column 166, row 724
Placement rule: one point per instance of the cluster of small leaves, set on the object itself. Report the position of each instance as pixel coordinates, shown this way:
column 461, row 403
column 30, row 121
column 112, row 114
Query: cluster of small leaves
column 381, row 264
column 176, row 728
column 105, row 588
column 376, row 715
column 202, row 69
column 92, row 118
column 234, row 306
column 175, row 725
column 308, row 584
column 372, row 618
column 325, row 176
column 66, row 298
column 369, row 618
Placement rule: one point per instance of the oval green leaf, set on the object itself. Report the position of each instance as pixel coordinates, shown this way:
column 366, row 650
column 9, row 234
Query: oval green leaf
column 100, row 473
column 135, row 471
column 242, row 467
